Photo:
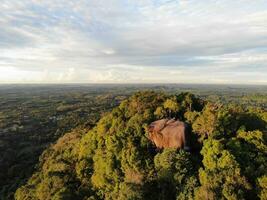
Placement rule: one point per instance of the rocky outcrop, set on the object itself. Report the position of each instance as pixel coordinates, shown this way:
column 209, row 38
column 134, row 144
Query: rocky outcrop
column 169, row 133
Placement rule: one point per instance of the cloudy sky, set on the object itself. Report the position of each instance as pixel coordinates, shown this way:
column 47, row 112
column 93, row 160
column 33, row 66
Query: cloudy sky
column 133, row 41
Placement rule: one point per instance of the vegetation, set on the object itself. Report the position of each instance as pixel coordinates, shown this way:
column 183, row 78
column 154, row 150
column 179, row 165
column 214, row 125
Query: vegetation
column 33, row 117
column 116, row 160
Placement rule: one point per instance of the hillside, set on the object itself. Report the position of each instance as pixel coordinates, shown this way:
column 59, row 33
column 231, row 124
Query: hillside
column 116, row 160
column 34, row 117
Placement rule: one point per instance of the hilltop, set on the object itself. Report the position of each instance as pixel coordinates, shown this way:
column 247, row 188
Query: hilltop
column 116, row 160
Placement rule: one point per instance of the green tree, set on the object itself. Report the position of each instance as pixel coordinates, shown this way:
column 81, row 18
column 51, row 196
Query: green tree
column 221, row 176
column 171, row 106
column 262, row 187
column 176, row 174
column 206, row 122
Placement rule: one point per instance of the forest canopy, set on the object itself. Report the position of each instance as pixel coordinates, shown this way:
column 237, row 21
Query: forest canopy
column 116, row 160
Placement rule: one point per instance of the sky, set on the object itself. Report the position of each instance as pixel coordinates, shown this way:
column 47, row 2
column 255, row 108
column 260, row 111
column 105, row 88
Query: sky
column 133, row 41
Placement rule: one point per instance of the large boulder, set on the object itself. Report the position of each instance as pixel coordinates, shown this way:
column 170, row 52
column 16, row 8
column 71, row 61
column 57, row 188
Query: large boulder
column 169, row 133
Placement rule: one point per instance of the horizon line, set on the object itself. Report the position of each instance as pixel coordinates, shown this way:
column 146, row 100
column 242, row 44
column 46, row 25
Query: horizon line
column 130, row 83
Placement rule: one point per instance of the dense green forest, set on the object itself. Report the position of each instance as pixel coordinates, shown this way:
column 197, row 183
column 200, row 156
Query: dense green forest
column 103, row 150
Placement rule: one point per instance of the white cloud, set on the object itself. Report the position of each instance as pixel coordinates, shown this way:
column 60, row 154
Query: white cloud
column 133, row 41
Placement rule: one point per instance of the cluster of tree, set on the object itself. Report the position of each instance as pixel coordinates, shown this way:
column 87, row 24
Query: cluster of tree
column 31, row 121
column 116, row 160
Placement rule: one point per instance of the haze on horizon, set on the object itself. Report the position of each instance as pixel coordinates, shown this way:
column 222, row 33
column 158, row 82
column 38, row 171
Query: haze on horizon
column 135, row 41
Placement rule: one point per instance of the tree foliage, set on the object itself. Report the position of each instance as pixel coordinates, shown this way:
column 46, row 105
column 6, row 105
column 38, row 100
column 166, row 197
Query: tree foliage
column 116, row 160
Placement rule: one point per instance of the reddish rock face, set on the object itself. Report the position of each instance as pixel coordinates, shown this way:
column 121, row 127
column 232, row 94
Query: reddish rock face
column 168, row 133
